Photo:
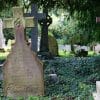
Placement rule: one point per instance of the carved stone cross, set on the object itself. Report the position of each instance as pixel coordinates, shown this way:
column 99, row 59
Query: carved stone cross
column 18, row 17
column 23, row 71
column 34, row 32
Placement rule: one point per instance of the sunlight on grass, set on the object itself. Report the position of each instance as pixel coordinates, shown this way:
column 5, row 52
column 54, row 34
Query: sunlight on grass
column 68, row 54
column 65, row 54
column 3, row 55
column 91, row 53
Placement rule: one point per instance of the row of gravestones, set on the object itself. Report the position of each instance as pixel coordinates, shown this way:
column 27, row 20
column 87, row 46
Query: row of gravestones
column 66, row 47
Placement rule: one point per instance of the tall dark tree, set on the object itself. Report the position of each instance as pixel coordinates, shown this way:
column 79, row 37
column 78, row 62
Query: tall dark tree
column 86, row 9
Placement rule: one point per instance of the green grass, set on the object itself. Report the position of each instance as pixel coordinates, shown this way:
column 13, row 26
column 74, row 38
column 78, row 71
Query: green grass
column 3, row 55
column 69, row 54
column 91, row 53
column 65, row 54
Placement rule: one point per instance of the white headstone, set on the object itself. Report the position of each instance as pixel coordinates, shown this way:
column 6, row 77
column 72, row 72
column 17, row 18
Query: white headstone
column 65, row 47
column 2, row 39
column 96, row 94
column 97, row 48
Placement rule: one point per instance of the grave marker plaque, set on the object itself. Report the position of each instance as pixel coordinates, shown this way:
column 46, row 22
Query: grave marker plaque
column 23, row 72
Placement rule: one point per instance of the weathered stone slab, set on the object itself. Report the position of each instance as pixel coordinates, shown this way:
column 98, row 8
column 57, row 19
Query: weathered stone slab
column 2, row 39
column 23, row 71
column 53, row 46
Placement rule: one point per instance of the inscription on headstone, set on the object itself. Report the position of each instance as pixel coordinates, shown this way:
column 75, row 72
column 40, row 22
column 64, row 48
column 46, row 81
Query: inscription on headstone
column 23, row 72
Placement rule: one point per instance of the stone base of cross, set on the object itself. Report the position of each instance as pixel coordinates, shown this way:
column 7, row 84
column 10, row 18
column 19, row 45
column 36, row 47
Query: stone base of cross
column 96, row 95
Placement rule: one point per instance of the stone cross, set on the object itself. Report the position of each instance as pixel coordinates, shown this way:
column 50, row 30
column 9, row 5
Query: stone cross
column 34, row 32
column 2, row 39
column 96, row 94
column 45, row 23
column 23, row 72
column 17, row 16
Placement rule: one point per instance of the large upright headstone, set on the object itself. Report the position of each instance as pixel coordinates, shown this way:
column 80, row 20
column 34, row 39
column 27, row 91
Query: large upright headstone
column 23, row 72
column 34, row 32
column 2, row 39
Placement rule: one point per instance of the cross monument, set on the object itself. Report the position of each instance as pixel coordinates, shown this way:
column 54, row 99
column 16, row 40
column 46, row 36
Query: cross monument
column 23, row 71
column 34, row 32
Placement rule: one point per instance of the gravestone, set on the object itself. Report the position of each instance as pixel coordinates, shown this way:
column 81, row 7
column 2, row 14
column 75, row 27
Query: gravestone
column 96, row 95
column 97, row 19
column 34, row 31
column 45, row 23
column 97, row 49
column 66, row 48
column 53, row 45
column 23, row 72
column 2, row 39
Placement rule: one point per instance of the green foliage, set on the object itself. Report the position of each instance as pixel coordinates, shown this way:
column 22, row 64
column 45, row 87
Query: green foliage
column 8, row 34
column 33, row 98
column 74, row 77
column 75, row 30
column 73, row 85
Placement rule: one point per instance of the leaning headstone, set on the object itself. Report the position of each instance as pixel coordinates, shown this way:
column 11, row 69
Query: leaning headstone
column 2, row 39
column 34, row 31
column 53, row 45
column 23, row 72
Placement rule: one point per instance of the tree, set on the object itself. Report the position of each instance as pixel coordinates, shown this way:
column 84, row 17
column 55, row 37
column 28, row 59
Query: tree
column 84, row 9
